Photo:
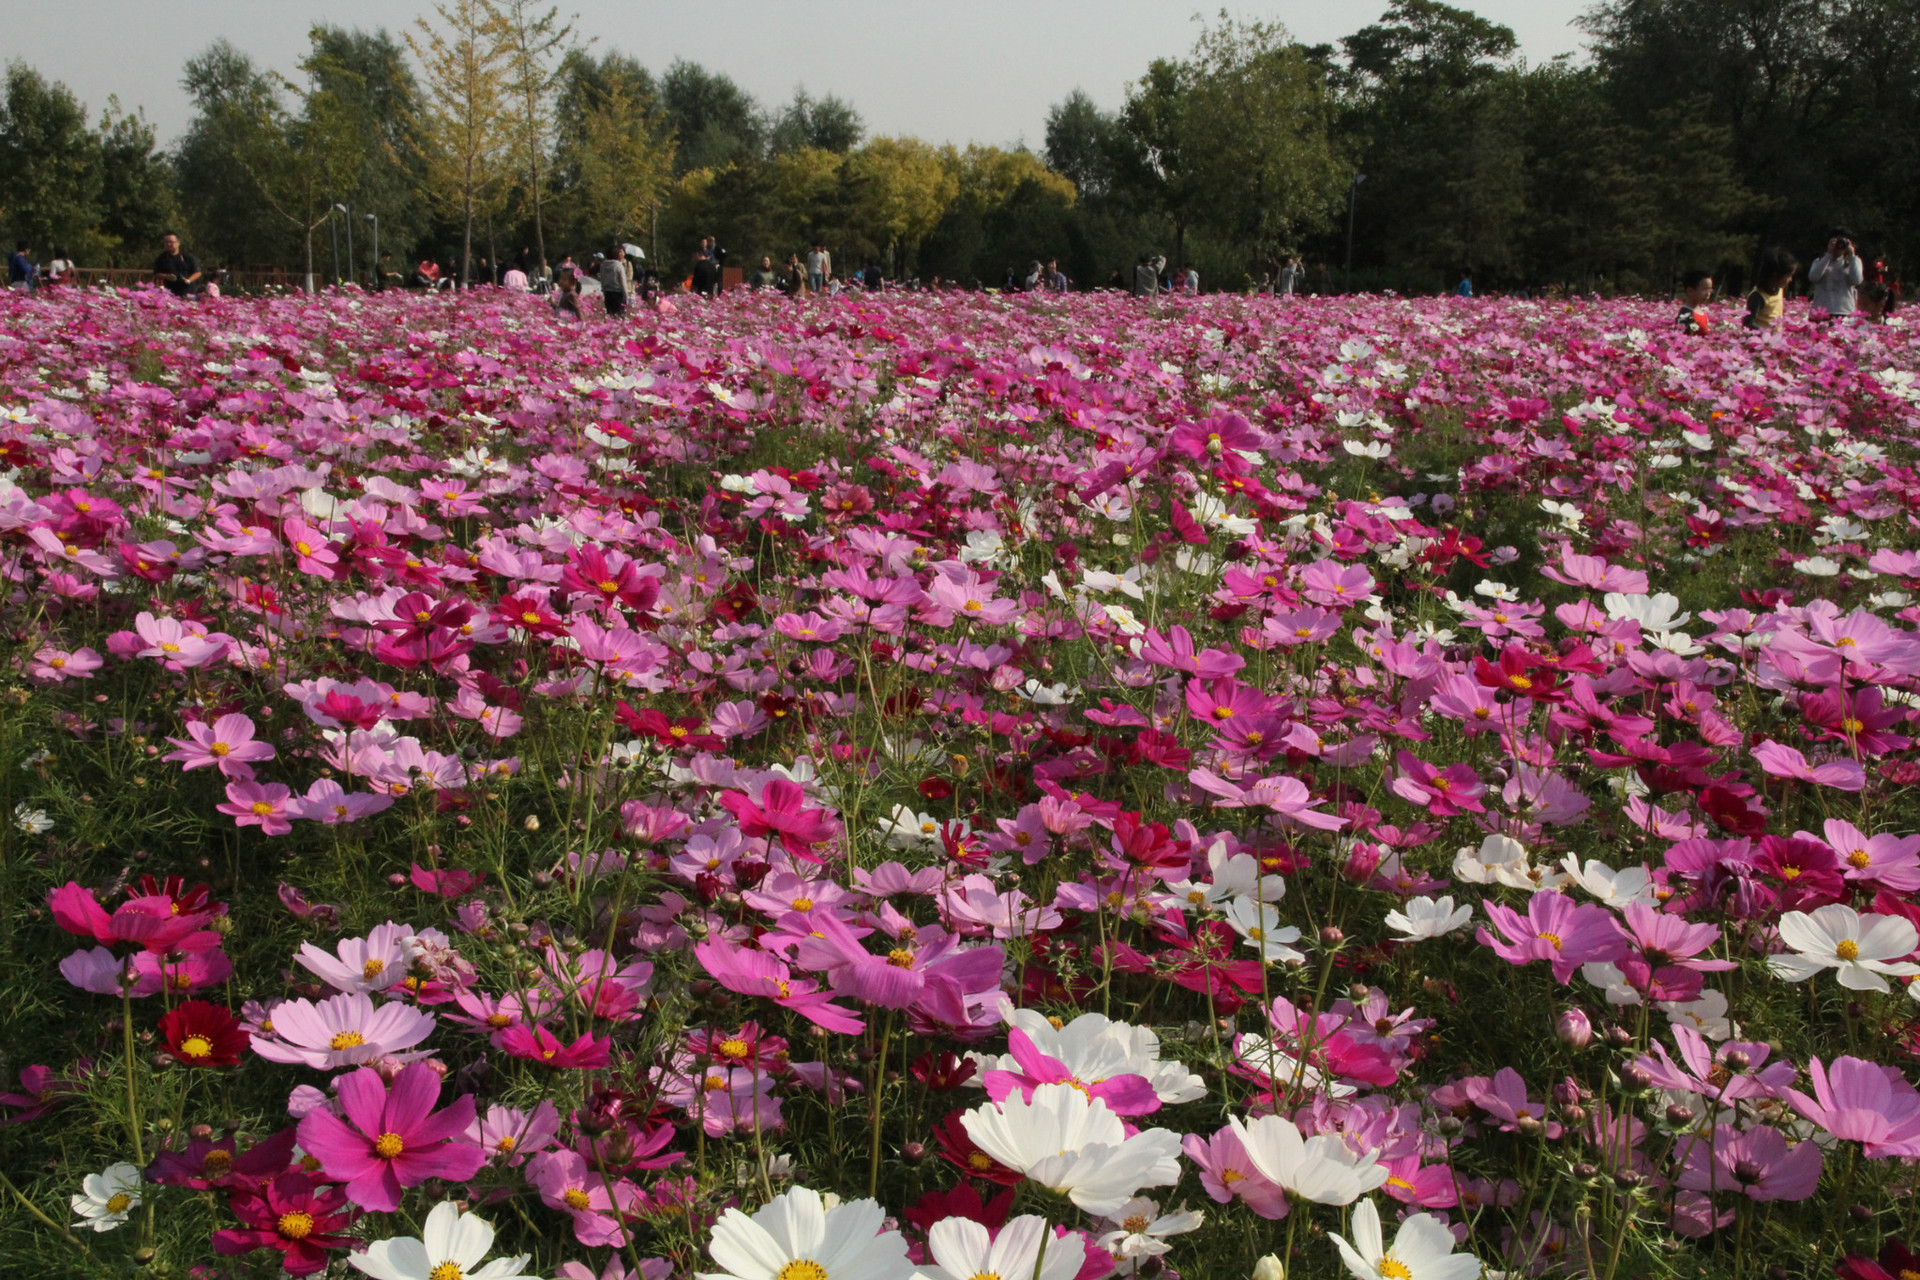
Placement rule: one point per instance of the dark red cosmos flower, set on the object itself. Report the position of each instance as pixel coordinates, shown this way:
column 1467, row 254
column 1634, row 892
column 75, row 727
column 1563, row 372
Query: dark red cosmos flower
column 221, row 1163
column 200, row 1034
column 292, row 1215
column 1896, row 1261
column 944, row 1071
column 959, row 1150
column 683, row 732
column 962, row 1202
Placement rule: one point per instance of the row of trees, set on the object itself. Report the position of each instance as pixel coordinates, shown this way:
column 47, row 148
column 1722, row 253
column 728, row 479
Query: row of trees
column 1698, row 130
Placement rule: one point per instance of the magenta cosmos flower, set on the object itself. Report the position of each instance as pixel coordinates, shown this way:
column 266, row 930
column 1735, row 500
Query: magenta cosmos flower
column 1441, row 792
column 1558, row 930
column 781, row 810
column 256, row 804
column 386, row 1139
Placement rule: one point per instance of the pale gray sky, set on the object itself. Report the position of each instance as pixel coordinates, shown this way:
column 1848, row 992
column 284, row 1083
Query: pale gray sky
column 945, row 70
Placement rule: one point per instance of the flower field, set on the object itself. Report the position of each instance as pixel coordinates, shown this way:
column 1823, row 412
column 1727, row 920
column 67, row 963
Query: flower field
column 990, row 789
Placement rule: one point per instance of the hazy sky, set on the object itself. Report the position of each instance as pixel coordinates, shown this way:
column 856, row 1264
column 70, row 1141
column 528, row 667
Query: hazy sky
column 955, row 71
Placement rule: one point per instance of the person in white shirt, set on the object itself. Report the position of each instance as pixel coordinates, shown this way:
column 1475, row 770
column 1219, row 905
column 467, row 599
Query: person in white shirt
column 1836, row 275
column 61, row 270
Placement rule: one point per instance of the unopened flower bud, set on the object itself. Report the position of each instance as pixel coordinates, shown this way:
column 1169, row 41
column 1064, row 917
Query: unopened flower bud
column 532, row 823
column 1528, row 1126
column 1585, row 1170
column 1678, row 1116
column 1627, row 1179
column 1635, row 1076
column 1449, row 1126
column 1269, row 1268
column 1859, row 1212
column 542, row 879
column 1737, row 1060
column 913, row 1152
column 1574, row 1030
column 1619, row 1037
column 1574, row 1115
column 1331, row 937
column 398, row 880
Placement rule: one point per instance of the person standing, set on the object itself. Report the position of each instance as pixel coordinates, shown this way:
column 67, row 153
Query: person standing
column 816, row 273
column 616, row 278
column 1836, row 275
column 1146, row 280
column 175, row 271
column 763, row 276
column 20, row 268
column 826, row 266
column 1056, row 278
column 1290, row 277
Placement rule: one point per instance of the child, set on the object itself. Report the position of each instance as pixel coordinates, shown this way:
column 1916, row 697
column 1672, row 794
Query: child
column 1768, row 301
column 1696, row 290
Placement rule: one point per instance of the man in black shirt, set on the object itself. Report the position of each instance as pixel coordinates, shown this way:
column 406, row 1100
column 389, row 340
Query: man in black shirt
column 174, row 270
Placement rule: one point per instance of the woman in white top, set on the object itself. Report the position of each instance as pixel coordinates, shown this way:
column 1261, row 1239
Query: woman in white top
column 61, row 270
column 1835, row 275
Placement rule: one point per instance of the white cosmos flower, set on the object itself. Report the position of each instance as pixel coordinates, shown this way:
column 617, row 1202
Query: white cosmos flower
column 983, row 546
column 31, row 822
column 1861, row 947
column 1368, row 449
column 106, row 1197
column 1323, row 1168
column 906, row 829
column 1612, row 888
column 1127, row 583
column 1707, row 1014
column 1425, row 917
column 1093, row 1048
column 1123, row 620
column 1286, row 1070
column 1258, row 923
column 1045, row 695
column 451, row 1245
column 1070, row 1144
column 798, row 1236
column 963, row 1249
column 1422, row 1249
column 1657, row 612
column 1817, row 567
column 1137, row 1229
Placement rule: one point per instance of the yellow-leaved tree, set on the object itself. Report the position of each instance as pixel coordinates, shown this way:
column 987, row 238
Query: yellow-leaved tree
column 466, row 60
column 898, row 188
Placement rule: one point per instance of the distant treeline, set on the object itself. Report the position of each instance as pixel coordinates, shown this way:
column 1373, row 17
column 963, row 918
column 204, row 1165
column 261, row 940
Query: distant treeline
column 1697, row 133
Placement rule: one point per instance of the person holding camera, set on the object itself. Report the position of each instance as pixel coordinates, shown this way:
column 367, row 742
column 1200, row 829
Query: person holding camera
column 1836, row 275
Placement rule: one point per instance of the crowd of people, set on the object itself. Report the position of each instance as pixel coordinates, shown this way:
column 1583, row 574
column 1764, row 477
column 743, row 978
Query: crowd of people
column 1843, row 283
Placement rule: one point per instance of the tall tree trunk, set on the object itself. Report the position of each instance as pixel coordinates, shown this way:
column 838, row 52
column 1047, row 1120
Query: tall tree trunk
column 533, row 166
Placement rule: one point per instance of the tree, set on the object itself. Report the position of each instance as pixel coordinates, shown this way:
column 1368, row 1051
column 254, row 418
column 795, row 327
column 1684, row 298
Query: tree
column 1080, row 144
column 467, row 63
column 900, row 188
column 137, row 207
column 533, row 37
column 714, row 120
column 367, row 75
column 234, row 136
column 621, row 166
column 50, row 163
column 824, row 124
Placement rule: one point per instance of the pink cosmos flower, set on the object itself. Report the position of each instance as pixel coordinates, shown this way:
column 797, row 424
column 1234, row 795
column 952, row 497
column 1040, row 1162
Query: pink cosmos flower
column 56, row 665
column 1329, row 582
column 755, row 973
column 931, row 975
column 176, row 644
column 329, row 803
column 782, row 809
column 509, row 1135
column 227, row 744
column 1702, row 1064
column 341, row 1031
column 1442, row 792
column 1227, row 1174
column 969, row 599
column 262, row 805
column 1886, row 859
column 1758, row 1164
column 389, row 1138
column 1863, row 1102
column 565, row 1182
column 1126, row 1094
column 369, row 964
column 1558, row 930
column 1175, row 650
column 1785, row 762
column 539, row 1045
column 312, row 553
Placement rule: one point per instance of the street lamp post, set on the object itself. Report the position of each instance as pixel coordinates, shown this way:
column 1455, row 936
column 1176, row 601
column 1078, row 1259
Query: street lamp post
column 333, row 238
column 1353, row 189
column 378, row 281
column 346, row 215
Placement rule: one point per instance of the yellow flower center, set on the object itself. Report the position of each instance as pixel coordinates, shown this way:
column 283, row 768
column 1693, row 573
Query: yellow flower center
column 346, row 1040
column 168, row 646
column 1231, row 1176
column 1520, row 682
column 388, row 1145
column 1223, row 713
column 216, row 1163
column 803, row 904
column 261, row 809
column 979, row 1162
column 900, row 958
column 196, row 1047
column 1553, row 938
column 304, row 548
column 295, row 1226
column 1847, row 949
column 57, row 663
column 735, row 1049
column 119, row 1202
column 1389, row 1270
column 1858, row 859
column 575, row 1198
column 715, row 1082
column 1135, row 1225
column 219, row 749
column 506, row 1144
column 801, row 1269
column 373, row 969
column 1851, row 725
column 498, row 1020
column 447, row 1271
